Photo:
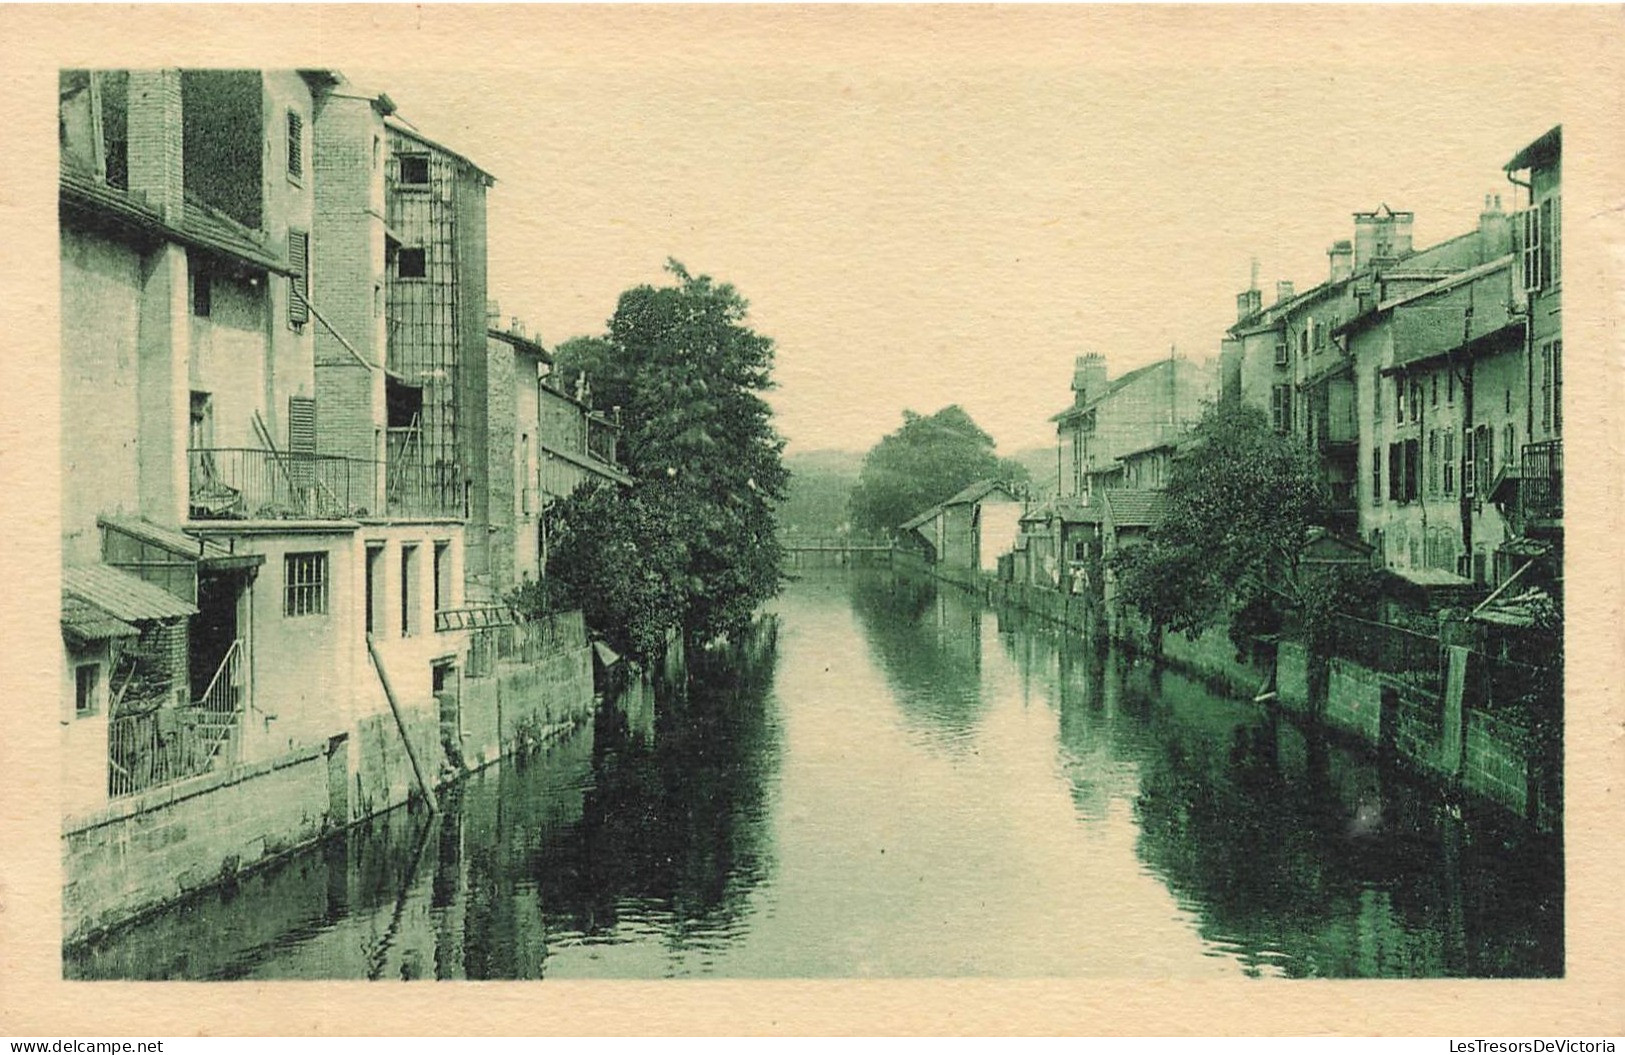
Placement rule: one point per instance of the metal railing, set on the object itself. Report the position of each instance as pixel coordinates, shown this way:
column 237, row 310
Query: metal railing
column 239, row 483
column 173, row 743
column 1393, row 650
column 1540, row 490
column 524, row 641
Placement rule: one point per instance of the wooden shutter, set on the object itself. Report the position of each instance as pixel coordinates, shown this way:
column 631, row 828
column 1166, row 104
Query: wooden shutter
column 301, row 425
column 296, row 144
column 299, row 264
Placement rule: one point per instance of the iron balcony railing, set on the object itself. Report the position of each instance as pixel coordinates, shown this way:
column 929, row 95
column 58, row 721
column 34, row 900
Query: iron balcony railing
column 1540, row 491
column 172, row 743
column 236, row 483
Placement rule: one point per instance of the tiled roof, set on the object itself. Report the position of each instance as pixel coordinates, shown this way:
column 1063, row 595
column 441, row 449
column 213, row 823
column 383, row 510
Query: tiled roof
column 86, row 622
column 122, row 595
column 1132, row 507
column 1542, row 151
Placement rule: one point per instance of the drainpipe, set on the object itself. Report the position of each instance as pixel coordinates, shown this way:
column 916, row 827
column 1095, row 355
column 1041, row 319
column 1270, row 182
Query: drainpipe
column 400, row 723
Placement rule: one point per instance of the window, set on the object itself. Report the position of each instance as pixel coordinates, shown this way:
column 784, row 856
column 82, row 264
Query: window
column 1413, row 469
column 1509, row 445
column 198, row 432
column 304, row 584
column 415, row 170
column 412, row 263
column 1416, row 400
column 299, row 284
column 375, row 587
column 409, row 590
column 377, row 152
column 1281, row 407
column 1467, row 463
column 1376, row 476
column 1538, row 232
column 86, row 677
column 1396, row 472
column 1554, row 386
column 1448, row 465
column 1450, row 387
column 202, row 294
column 442, row 575
column 1433, row 399
column 1399, row 399
column 378, row 299
column 1484, row 444
column 1554, row 235
column 1283, row 354
column 296, row 145
column 1376, row 398
column 1433, row 458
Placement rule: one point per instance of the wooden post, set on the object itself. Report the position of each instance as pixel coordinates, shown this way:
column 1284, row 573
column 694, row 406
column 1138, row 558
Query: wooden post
column 400, row 723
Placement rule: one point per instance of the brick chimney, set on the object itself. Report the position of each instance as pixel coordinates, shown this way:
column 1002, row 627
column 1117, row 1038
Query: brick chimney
column 157, row 165
column 1088, row 378
column 1248, row 302
column 1494, row 230
column 1381, row 236
column 1283, row 291
column 1341, row 255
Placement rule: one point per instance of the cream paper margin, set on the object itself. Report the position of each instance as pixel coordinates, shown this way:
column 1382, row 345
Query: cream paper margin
column 1583, row 43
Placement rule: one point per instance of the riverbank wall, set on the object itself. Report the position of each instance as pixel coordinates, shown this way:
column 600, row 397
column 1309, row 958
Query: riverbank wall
column 139, row 853
column 1449, row 733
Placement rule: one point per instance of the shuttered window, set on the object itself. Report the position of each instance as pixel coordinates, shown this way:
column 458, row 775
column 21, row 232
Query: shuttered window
column 299, row 264
column 301, row 425
column 296, row 145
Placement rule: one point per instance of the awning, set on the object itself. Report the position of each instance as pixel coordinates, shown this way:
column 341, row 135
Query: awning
column 207, row 553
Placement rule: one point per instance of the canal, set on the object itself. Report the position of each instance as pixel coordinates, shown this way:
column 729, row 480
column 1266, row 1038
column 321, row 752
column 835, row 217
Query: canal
column 896, row 781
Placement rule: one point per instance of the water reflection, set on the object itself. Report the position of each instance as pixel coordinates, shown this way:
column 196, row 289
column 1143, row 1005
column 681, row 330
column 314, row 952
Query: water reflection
column 892, row 781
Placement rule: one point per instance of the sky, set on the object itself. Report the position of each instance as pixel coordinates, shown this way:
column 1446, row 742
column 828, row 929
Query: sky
column 919, row 217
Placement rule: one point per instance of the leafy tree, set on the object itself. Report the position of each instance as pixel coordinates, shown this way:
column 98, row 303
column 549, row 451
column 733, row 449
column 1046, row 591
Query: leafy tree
column 924, row 462
column 692, row 545
column 1240, row 505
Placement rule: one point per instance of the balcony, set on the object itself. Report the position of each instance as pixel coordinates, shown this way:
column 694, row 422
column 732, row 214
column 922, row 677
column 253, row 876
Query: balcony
column 1540, row 485
column 253, row 484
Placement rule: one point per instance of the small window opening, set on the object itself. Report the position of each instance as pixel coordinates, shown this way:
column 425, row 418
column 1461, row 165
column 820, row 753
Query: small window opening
column 415, row 170
column 412, row 263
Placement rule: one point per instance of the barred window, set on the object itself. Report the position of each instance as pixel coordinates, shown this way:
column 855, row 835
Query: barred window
column 304, row 589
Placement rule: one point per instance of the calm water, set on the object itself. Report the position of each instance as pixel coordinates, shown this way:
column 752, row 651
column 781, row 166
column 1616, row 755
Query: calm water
column 898, row 783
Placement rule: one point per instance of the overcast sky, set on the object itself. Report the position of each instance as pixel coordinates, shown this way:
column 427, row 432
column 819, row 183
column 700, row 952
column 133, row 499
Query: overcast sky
column 918, row 220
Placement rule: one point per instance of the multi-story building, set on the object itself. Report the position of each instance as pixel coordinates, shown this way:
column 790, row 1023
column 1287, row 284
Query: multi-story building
column 1459, row 399
column 553, row 440
column 194, row 236
column 1287, row 358
column 1113, row 420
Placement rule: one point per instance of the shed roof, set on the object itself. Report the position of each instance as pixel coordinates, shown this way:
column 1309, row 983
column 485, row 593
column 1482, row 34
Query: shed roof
column 85, row 622
column 914, row 522
column 123, row 596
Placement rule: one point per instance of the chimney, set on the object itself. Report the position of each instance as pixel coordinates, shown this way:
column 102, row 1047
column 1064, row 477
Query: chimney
column 1248, row 302
column 493, row 315
column 157, row 167
column 516, row 327
column 1088, row 378
column 1341, row 255
column 1381, row 236
column 1494, row 230
column 1283, row 291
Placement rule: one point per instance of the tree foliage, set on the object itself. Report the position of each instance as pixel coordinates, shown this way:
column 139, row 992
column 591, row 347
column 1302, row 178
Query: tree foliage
column 1240, row 504
column 925, row 462
column 691, row 546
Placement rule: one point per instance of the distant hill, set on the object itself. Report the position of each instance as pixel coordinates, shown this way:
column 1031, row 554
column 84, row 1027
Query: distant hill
column 1040, row 465
column 821, row 482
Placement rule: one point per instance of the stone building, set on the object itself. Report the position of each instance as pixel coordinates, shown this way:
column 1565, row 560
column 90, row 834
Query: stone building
column 553, row 441
column 1109, row 420
column 1289, row 359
